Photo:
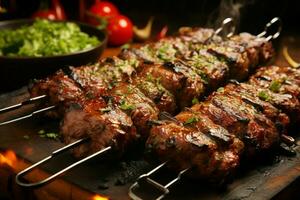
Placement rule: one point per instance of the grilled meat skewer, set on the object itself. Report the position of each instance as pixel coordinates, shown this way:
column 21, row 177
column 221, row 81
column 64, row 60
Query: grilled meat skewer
column 248, row 124
column 148, row 88
column 171, row 73
column 96, row 80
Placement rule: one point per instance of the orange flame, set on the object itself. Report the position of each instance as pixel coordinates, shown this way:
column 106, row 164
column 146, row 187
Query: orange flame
column 98, row 197
column 9, row 158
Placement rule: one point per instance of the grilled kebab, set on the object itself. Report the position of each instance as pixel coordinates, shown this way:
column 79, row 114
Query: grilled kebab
column 241, row 119
column 113, row 101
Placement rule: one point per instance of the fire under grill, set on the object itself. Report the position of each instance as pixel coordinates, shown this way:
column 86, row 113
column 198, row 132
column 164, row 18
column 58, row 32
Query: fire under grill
column 132, row 175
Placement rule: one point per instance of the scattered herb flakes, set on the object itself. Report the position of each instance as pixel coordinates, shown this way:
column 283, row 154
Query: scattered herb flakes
column 149, row 77
column 125, row 46
column 204, row 78
column 275, row 86
column 195, row 101
column 105, row 110
column 26, row 137
column 126, row 106
column 129, row 89
column 263, row 95
column 221, row 89
column 52, row 135
column 191, row 120
column 42, row 133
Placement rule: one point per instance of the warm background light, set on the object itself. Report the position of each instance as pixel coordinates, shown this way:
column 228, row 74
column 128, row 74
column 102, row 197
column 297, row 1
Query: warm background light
column 98, row 197
column 8, row 158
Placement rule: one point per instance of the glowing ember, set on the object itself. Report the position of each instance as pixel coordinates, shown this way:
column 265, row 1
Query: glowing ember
column 98, row 197
column 9, row 158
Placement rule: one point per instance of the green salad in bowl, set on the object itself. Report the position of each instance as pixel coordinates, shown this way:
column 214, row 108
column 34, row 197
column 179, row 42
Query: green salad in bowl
column 32, row 49
column 45, row 38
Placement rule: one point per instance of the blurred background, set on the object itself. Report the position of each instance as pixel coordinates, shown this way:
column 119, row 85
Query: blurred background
column 250, row 15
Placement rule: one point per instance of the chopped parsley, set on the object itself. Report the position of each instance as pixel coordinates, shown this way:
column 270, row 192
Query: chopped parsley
column 45, row 38
column 275, row 86
column 105, row 110
column 125, row 46
column 126, row 106
column 26, row 137
column 166, row 52
column 42, row 133
column 150, row 77
column 263, row 95
column 195, row 101
column 221, row 89
column 191, row 120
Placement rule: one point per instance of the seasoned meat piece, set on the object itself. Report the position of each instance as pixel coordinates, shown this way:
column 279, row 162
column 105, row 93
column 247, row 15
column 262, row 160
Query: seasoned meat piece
column 104, row 75
column 249, row 95
column 235, row 55
column 241, row 119
column 284, row 80
column 213, row 71
column 193, row 86
column 258, row 49
column 60, row 89
column 133, row 102
column 208, row 149
column 103, row 123
column 152, row 88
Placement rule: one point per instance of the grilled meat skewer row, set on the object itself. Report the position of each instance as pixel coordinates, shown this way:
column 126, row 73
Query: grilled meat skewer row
column 147, row 87
column 96, row 80
column 153, row 83
column 235, row 121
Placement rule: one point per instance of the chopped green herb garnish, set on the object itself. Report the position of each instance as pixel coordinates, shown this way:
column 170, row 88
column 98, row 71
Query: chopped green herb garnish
column 26, row 137
column 195, row 101
column 45, row 38
column 191, row 120
column 125, row 46
column 263, row 95
column 129, row 89
column 126, row 106
column 42, row 133
column 275, row 86
column 166, row 52
column 150, row 77
column 52, row 135
column 105, row 110
column 204, row 78
column 221, row 89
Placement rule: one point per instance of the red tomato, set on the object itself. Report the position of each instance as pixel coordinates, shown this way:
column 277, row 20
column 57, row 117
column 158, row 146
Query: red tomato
column 120, row 30
column 45, row 14
column 102, row 9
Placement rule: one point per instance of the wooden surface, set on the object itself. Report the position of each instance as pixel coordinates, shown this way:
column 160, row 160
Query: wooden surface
column 263, row 181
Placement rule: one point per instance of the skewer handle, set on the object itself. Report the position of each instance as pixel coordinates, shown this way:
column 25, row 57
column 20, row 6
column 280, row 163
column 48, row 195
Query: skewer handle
column 226, row 22
column 21, row 174
column 163, row 188
column 275, row 21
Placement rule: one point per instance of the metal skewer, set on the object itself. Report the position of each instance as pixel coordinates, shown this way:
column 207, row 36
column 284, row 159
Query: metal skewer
column 53, row 154
column 274, row 21
column 19, row 105
column 146, row 177
column 226, row 22
column 28, row 115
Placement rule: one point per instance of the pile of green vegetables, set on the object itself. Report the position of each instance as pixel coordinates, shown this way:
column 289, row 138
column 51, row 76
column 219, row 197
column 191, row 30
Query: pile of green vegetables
column 45, row 38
